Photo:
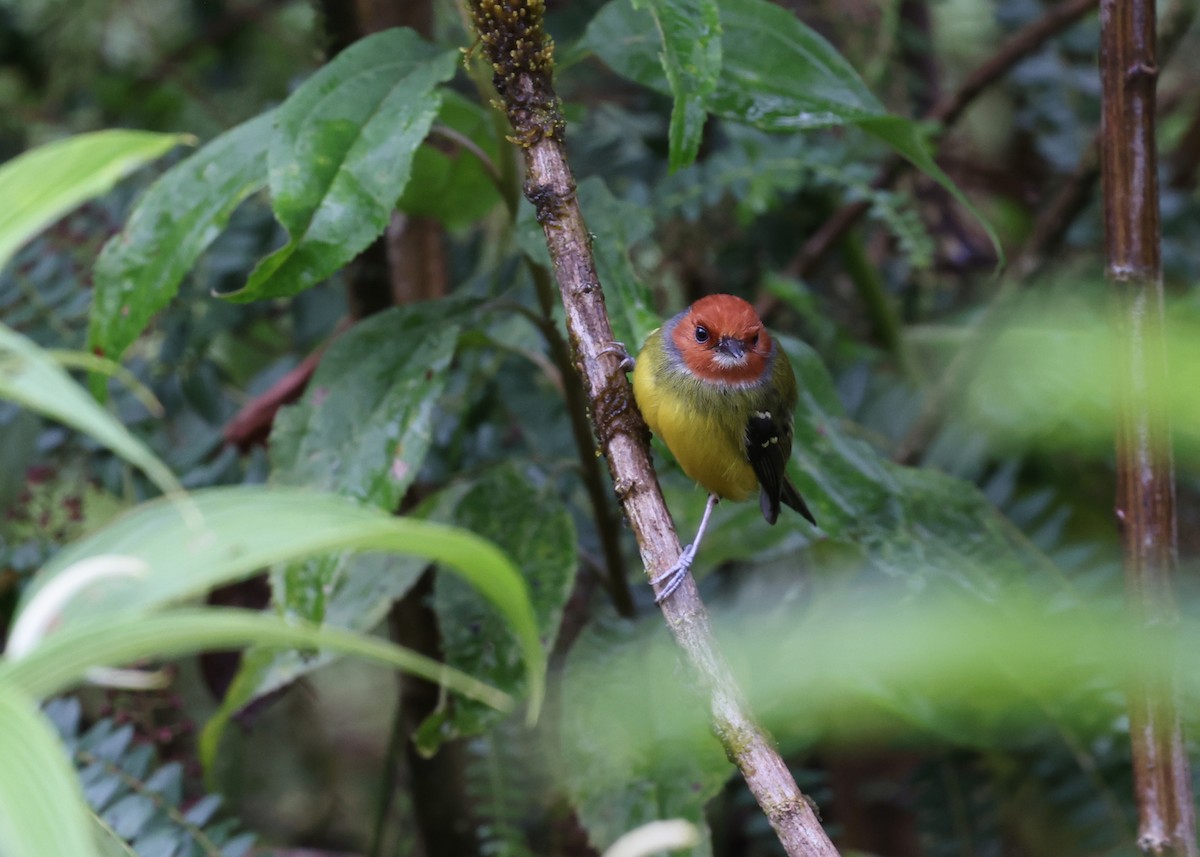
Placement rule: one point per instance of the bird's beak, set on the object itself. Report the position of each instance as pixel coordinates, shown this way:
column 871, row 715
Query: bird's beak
column 732, row 346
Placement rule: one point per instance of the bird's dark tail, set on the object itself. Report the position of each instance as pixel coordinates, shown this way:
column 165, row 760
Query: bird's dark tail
column 790, row 496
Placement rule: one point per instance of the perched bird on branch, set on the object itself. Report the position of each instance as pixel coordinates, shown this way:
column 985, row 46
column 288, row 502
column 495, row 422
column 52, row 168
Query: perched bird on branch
column 720, row 392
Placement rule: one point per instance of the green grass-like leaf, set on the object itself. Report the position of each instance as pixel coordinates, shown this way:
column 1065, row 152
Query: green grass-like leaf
column 244, row 529
column 31, row 377
column 42, row 185
column 42, row 811
column 64, row 658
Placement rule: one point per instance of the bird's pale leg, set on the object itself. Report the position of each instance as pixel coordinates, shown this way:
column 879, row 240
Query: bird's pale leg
column 675, row 574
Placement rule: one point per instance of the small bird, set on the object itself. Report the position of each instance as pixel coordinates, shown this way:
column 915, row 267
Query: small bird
column 714, row 385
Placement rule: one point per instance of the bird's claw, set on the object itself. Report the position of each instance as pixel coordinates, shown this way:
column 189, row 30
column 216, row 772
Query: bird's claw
column 626, row 361
column 675, row 575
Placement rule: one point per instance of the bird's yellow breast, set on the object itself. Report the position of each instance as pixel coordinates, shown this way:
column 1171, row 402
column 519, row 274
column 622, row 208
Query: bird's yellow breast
column 705, row 438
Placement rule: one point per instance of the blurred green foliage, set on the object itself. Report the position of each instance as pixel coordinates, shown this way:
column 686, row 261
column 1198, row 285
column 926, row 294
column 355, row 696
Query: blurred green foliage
column 942, row 663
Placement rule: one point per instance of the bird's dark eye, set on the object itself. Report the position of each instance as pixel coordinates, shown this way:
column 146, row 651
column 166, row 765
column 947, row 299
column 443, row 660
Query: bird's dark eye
column 702, row 334
column 754, row 341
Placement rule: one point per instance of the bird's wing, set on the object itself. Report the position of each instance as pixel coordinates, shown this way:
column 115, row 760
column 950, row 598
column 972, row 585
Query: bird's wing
column 768, row 447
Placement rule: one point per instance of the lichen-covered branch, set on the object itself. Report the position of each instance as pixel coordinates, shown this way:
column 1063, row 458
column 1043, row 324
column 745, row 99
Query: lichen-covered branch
column 511, row 33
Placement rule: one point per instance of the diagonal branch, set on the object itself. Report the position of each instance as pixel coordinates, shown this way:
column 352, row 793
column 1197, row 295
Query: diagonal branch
column 511, row 32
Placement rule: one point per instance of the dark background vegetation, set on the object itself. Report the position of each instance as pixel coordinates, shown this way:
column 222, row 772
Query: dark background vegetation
column 884, row 311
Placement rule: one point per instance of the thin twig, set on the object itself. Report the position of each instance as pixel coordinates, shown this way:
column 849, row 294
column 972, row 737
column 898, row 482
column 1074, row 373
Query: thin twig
column 512, row 35
column 946, row 112
column 464, row 142
column 252, row 423
column 608, row 525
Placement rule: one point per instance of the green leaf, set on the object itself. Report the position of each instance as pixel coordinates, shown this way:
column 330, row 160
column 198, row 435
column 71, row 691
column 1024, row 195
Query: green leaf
column 42, row 185
column 30, row 377
column 42, row 810
column 61, row 661
column 534, row 527
column 690, row 31
column 777, row 74
column 341, row 155
column 364, row 425
column 637, row 745
column 448, row 182
column 365, row 422
column 139, row 270
column 244, row 529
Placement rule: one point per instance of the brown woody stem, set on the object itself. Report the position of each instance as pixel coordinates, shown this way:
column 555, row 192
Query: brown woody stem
column 1145, row 474
column 513, row 38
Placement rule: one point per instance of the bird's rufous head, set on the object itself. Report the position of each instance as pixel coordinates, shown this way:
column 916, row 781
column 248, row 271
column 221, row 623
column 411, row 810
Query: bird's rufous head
column 722, row 339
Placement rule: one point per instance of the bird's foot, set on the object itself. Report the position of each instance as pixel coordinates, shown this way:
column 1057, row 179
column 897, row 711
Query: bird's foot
column 675, row 575
column 626, row 361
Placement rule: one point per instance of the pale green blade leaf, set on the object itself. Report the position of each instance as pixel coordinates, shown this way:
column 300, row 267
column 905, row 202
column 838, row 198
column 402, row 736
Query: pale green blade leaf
column 42, row 811
column 42, row 185
column 364, row 426
column 32, row 378
column 63, row 659
column 244, row 529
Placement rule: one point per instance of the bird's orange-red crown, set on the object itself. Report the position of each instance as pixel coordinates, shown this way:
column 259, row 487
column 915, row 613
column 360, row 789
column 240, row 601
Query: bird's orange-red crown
column 717, row 319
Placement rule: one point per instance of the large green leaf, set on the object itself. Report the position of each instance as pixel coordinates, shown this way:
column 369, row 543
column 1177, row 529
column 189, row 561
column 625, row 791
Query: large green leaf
column 363, row 428
column 341, row 155
column 30, row 377
column 776, row 74
column 244, row 529
column 534, row 527
column 364, row 425
column 139, row 270
column 42, row 811
column 690, row 32
column 365, row 422
column 42, row 185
